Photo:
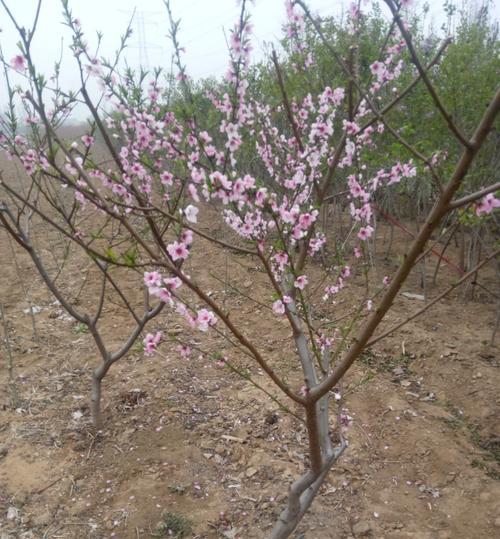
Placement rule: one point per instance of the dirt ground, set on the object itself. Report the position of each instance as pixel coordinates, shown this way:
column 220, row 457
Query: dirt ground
column 190, row 438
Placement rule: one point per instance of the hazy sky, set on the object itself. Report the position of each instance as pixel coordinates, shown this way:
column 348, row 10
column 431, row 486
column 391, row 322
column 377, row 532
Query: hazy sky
column 203, row 23
column 202, row 30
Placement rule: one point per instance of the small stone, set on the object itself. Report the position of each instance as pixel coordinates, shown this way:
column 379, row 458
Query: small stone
column 409, row 295
column 251, row 472
column 12, row 513
column 271, row 418
column 485, row 496
column 497, row 522
column 206, row 444
column 3, row 451
column 362, row 529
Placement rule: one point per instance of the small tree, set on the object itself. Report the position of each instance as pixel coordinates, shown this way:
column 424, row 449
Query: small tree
column 166, row 167
column 12, row 222
column 36, row 199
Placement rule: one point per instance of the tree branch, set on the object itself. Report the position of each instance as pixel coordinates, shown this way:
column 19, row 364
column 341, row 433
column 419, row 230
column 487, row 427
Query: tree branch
column 459, row 202
column 437, row 213
column 430, row 87
column 434, row 301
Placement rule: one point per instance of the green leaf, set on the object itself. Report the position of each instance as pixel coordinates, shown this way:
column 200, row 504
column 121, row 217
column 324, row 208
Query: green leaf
column 111, row 255
column 130, row 257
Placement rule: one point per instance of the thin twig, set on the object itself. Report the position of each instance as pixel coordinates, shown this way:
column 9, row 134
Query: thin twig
column 435, row 300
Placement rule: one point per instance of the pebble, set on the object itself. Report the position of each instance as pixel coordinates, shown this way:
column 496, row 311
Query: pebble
column 12, row 513
column 250, row 472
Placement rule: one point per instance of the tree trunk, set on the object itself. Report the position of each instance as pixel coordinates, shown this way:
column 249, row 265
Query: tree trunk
column 95, row 399
column 302, row 493
column 95, row 395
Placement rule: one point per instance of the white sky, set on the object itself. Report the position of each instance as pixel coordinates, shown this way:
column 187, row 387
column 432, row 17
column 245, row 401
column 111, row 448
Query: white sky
column 202, row 30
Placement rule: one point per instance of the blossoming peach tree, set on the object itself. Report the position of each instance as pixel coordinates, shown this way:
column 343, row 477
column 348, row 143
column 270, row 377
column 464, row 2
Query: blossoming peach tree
column 168, row 164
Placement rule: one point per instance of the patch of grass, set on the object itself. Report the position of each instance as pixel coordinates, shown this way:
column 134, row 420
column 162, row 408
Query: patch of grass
column 454, row 423
column 493, row 473
column 173, row 525
column 458, row 420
column 386, row 363
column 489, row 462
column 172, row 400
column 138, row 347
column 80, row 328
column 490, row 471
column 491, row 446
column 368, row 358
column 177, row 489
column 217, row 356
column 479, row 464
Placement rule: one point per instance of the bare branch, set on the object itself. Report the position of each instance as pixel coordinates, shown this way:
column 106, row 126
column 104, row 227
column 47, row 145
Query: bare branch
column 459, row 202
column 430, row 87
column 434, row 301
column 432, row 221
column 286, row 102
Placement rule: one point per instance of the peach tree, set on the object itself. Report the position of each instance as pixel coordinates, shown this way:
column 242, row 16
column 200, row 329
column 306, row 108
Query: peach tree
column 166, row 165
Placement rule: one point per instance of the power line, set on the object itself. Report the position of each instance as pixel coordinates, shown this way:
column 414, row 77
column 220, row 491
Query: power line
column 141, row 20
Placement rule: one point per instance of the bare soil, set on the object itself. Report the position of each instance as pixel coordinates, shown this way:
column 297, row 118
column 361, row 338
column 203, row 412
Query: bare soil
column 191, row 438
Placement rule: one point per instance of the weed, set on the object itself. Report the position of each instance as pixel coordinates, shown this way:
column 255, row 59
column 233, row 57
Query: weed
column 479, row 464
column 80, row 328
column 490, row 446
column 490, row 471
column 454, row 423
column 177, row 489
column 173, row 525
column 138, row 347
column 217, row 356
column 387, row 363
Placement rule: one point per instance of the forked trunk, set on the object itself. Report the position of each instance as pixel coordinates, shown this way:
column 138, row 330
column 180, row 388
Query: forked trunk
column 302, row 493
column 95, row 395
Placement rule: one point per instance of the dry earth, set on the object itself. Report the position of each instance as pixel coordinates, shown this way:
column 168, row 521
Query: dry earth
column 191, row 438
